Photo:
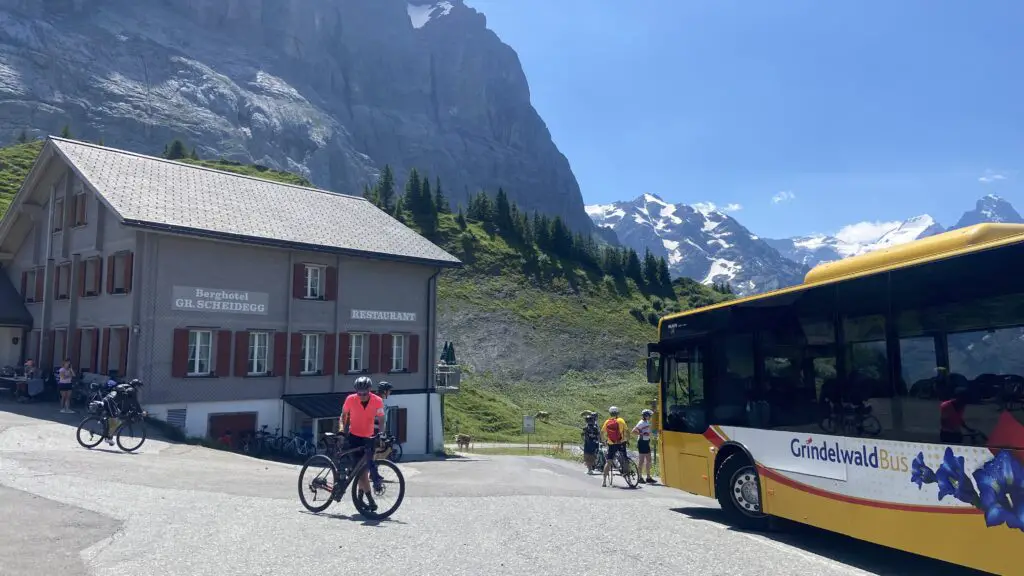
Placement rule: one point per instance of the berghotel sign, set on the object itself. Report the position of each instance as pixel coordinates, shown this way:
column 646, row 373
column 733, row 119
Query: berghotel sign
column 193, row 299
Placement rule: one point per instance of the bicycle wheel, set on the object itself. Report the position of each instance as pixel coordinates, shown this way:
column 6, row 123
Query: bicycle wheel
column 396, row 452
column 91, row 431
column 371, row 509
column 128, row 432
column 828, row 425
column 630, row 473
column 871, row 426
column 323, row 481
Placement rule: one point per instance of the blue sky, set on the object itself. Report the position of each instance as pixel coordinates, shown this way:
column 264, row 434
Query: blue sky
column 861, row 110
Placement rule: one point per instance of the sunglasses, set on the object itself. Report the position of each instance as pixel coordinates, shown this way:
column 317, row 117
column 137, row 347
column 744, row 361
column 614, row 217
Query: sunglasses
column 363, row 392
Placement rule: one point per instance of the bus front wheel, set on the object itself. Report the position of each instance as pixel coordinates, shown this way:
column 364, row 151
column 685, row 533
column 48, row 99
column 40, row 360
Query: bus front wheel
column 738, row 488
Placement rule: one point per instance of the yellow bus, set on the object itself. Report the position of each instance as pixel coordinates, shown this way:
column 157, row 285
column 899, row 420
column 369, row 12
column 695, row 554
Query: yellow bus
column 883, row 399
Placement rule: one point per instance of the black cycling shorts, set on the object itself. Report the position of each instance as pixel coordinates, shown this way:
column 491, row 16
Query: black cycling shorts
column 615, row 448
column 643, row 446
column 352, row 441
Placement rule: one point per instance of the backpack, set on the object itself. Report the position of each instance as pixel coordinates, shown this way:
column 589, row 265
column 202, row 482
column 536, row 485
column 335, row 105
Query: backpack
column 612, row 429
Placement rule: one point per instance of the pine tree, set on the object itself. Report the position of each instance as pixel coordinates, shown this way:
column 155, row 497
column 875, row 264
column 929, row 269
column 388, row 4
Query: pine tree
column 542, row 230
column 428, row 217
column 386, row 189
column 561, row 238
column 664, row 277
column 176, row 151
column 371, row 195
column 634, row 269
column 461, row 219
column 439, row 200
column 413, row 199
column 65, row 132
column 193, row 154
column 502, row 213
column 650, row 264
column 22, row 136
column 399, row 211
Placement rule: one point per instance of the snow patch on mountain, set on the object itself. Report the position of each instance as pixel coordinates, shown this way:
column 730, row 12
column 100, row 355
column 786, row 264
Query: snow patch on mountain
column 855, row 239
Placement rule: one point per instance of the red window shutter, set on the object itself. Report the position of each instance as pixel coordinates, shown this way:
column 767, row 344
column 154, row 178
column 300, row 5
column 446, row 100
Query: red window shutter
column 296, row 354
column 330, row 352
column 241, row 353
column 39, row 284
column 414, row 353
column 24, row 284
column 122, row 368
column 110, row 274
column 129, row 266
column 374, row 353
column 401, row 425
column 104, row 351
column 299, row 280
column 345, row 353
column 82, row 265
column 76, row 349
column 386, row 352
column 332, row 283
column 223, row 366
column 280, row 353
column 94, row 350
column 80, row 209
column 179, row 360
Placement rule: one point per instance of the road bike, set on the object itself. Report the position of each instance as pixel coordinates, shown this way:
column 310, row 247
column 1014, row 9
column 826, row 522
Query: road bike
column 390, row 449
column 338, row 467
column 95, row 428
column 623, row 465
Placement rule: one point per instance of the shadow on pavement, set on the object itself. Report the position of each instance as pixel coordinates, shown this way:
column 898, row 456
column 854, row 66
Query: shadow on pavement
column 858, row 553
column 354, row 518
column 43, row 410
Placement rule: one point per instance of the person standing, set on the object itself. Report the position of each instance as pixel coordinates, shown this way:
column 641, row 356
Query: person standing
column 643, row 445
column 616, row 435
column 591, row 441
column 65, row 376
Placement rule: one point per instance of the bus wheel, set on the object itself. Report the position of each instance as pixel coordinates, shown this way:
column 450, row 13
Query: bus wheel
column 738, row 488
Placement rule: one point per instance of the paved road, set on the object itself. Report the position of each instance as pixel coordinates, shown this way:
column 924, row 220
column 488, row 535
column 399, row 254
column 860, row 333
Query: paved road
column 176, row 509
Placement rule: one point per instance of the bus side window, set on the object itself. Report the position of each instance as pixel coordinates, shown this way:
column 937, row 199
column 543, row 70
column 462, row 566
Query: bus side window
column 683, row 392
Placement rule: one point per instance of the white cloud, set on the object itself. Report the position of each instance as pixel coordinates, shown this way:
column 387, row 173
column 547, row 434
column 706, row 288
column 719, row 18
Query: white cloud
column 712, row 207
column 990, row 176
column 863, row 232
column 784, row 196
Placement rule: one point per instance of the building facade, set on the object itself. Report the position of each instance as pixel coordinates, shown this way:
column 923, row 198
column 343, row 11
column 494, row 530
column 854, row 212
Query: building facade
column 239, row 302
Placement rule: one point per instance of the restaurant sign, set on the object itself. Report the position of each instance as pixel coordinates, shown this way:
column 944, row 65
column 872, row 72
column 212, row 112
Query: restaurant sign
column 192, row 299
column 383, row 315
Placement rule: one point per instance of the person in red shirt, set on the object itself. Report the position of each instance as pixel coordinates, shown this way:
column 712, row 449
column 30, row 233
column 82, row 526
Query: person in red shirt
column 359, row 413
column 951, row 420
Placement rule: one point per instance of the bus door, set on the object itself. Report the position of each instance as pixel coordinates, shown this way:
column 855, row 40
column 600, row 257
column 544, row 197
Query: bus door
column 685, row 463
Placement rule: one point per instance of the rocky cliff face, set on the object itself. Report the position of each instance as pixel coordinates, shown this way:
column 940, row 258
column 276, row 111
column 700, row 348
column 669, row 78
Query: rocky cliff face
column 331, row 89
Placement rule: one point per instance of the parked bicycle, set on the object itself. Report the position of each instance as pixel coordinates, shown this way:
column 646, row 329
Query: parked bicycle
column 624, row 465
column 390, row 449
column 338, row 467
column 851, row 420
column 119, row 406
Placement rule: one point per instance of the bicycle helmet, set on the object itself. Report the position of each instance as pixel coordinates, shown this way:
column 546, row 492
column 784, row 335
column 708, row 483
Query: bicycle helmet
column 384, row 386
column 614, row 410
column 363, row 384
column 647, row 413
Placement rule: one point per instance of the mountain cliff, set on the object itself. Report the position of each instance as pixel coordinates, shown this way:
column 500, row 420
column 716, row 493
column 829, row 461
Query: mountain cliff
column 329, row 89
column 699, row 242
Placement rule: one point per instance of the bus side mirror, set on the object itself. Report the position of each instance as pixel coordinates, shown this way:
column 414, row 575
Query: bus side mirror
column 653, row 370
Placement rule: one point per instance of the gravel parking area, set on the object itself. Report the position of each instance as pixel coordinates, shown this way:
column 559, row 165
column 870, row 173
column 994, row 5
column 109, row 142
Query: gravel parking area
column 186, row 510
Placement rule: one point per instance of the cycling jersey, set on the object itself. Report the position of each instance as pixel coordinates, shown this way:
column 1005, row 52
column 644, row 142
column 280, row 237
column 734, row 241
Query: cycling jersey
column 615, row 430
column 643, row 429
column 361, row 418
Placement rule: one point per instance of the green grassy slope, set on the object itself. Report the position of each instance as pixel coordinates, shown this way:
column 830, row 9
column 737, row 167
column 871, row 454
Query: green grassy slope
column 537, row 333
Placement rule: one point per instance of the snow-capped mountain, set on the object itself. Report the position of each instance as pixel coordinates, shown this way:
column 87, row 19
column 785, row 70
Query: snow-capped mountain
column 699, row 242
column 853, row 240
column 706, row 244
column 990, row 208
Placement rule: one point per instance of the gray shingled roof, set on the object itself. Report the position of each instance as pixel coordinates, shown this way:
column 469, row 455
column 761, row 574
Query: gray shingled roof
column 157, row 193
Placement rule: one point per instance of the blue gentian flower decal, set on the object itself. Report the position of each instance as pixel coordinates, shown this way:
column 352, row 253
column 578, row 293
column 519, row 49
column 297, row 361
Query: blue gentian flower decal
column 953, row 480
column 920, row 473
column 1001, row 484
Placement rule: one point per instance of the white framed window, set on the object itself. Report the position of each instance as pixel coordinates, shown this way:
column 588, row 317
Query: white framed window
column 397, row 352
column 314, row 282
column 259, row 352
column 357, row 346
column 310, row 353
column 200, row 350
